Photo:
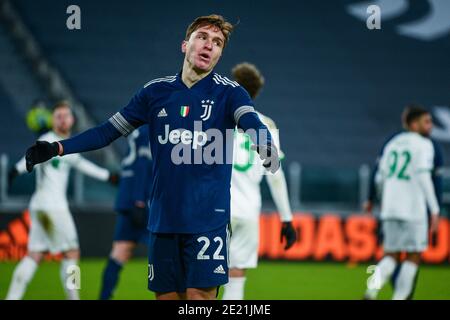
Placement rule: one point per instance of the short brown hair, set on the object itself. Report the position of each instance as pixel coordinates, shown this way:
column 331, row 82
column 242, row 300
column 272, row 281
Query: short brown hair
column 211, row 20
column 248, row 76
column 61, row 104
column 411, row 113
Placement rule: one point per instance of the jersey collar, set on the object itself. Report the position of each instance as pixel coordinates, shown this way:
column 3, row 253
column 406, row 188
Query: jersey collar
column 203, row 85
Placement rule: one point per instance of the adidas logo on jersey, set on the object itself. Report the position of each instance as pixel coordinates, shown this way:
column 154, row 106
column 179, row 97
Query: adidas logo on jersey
column 162, row 113
column 219, row 269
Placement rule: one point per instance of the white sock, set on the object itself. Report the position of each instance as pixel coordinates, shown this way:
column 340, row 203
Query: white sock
column 405, row 280
column 23, row 274
column 71, row 293
column 385, row 268
column 234, row 289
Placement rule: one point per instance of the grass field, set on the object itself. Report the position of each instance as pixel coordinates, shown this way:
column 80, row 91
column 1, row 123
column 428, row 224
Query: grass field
column 271, row 280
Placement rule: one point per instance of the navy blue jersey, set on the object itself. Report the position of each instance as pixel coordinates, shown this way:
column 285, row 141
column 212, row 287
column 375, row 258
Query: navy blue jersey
column 438, row 163
column 189, row 194
column 135, row 178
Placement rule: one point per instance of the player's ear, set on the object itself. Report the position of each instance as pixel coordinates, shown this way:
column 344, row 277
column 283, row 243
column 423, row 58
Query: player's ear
column 183, row 46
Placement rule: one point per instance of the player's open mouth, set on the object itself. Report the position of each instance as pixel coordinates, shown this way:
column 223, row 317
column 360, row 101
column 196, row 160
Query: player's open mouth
column 205, row 57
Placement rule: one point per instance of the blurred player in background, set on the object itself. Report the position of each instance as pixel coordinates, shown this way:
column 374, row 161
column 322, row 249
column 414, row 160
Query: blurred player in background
column 132, row 208
column 438, row 163
column 436, row 174
column 404, row 175
column 52, row 227
column 246, row 194
column 190, row 198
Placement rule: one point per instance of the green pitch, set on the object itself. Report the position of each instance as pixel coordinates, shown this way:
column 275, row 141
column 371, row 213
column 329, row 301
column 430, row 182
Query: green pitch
column 271, row 280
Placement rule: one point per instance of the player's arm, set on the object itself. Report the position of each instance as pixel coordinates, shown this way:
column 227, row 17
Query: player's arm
column 16, row 170
column 120, row 124
column 424, row 168
column 143, row 168
column 92, row 170
column 141, row 182
column 246, row 118
column 426, row 184
column 436, row 175
column 427, row 187
column 382, row 171
column 380, row 176
column 278, row 189
column 368, row 205
column 19, row 168
column 372, row 194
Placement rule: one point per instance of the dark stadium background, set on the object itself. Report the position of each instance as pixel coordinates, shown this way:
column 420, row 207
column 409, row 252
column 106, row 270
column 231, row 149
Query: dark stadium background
column 334, row 88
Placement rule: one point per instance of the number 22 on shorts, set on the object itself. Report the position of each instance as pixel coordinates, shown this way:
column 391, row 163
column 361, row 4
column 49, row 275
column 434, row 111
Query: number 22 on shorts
column 206, row 243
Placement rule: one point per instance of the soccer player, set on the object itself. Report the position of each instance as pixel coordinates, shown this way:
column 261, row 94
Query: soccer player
column 438, row 163
column 132, row 208
column 246, row 196
column 436, row 174
column 190, row 117
column 404, row 175
column 52, row 227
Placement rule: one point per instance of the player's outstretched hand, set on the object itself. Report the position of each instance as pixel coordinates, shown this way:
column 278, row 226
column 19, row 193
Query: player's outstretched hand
column 40, row 152
column 434, row 225
column 367, row 207
column 269, row 154
column 288, row 232
column 114, row 178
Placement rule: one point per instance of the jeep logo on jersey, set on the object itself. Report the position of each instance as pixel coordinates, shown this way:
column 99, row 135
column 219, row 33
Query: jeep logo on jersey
column 196, row 138
column 198, row 146
column 203, row 147
column 207, row 112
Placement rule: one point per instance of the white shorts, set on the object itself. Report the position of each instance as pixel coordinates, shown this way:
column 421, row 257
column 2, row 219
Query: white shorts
column 404, row 236
column 53, row 230
column 244, row 243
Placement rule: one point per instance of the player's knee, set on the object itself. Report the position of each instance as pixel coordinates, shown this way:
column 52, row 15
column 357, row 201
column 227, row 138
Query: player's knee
column 120, row 256
column 201, row 294
column 413, row 257
column 394, row 255
column 237, row 273
column 36, row 256
column 122, row 251
column 72, row 254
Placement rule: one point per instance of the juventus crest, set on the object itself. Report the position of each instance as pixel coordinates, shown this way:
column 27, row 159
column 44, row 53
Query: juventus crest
column 207, row 105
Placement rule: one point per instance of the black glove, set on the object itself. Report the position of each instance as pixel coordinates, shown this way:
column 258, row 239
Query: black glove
column 139, row 217
column 288, row 232
column 12, row 174
column 40, row 152
column 113, row 178
column 269, row 154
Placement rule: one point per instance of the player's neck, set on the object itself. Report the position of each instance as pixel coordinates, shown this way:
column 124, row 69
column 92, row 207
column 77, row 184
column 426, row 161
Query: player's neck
column 190, row 76
column 61, row 134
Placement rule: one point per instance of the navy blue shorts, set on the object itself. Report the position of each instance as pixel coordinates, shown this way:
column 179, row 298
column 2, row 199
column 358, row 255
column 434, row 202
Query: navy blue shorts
column 126, row 231
column 180, row 261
